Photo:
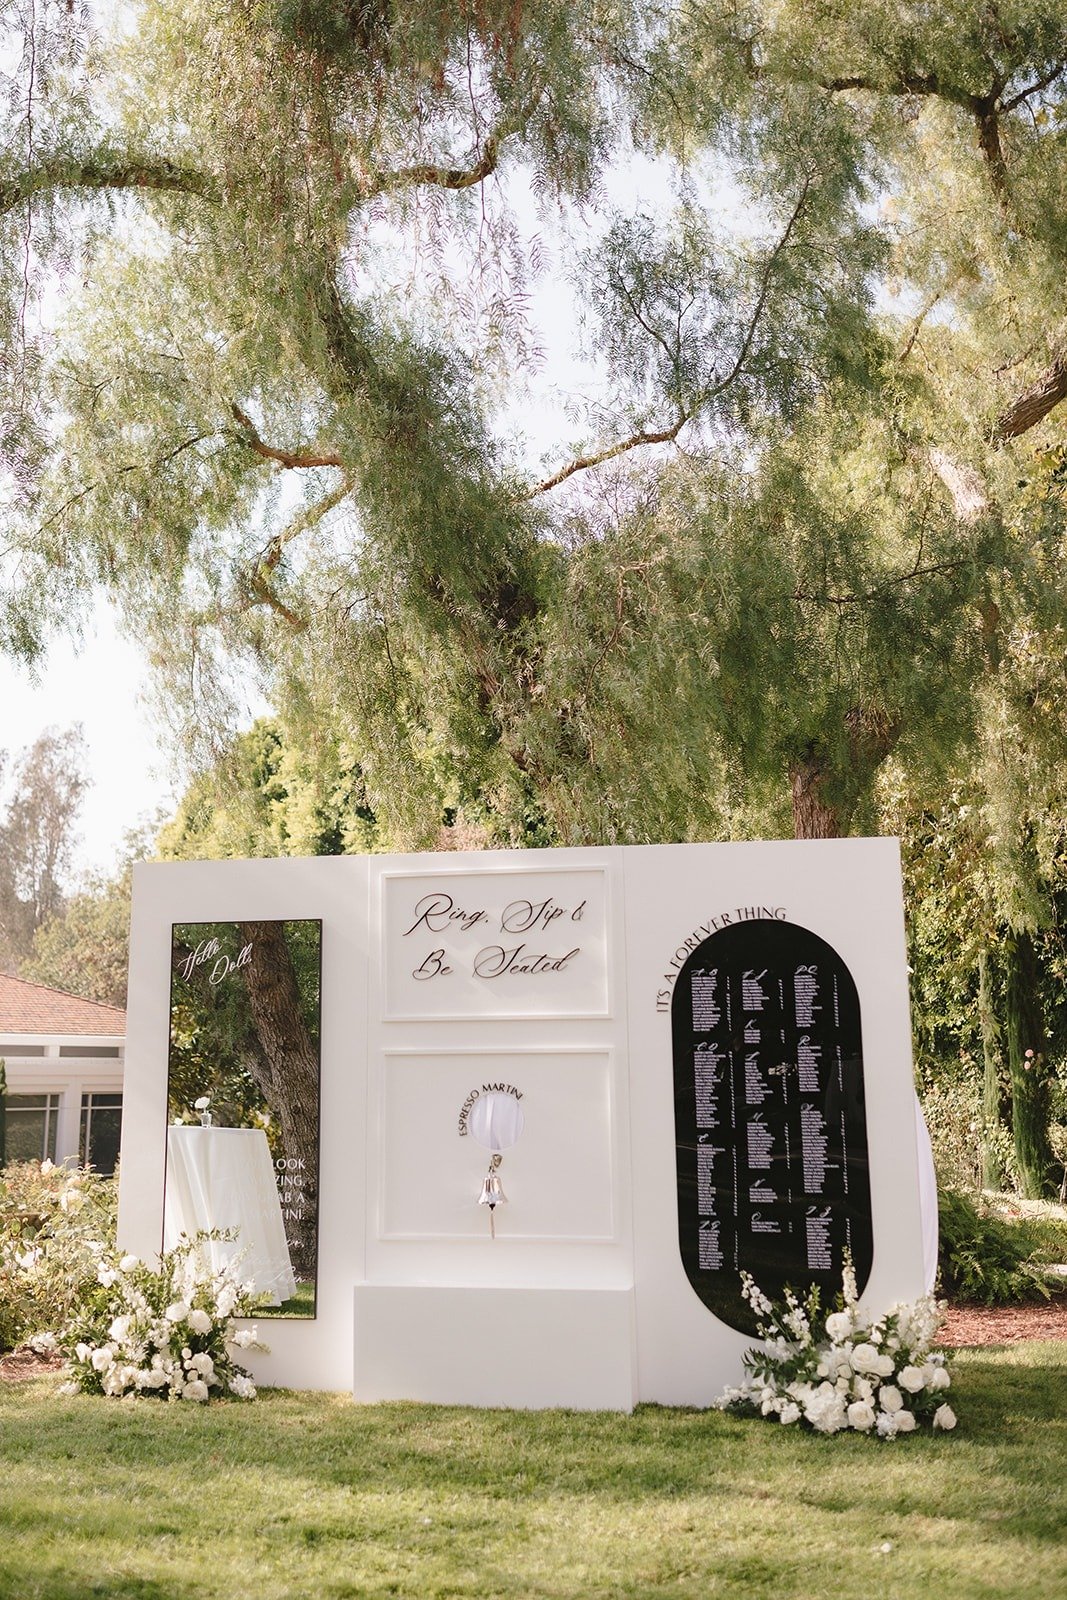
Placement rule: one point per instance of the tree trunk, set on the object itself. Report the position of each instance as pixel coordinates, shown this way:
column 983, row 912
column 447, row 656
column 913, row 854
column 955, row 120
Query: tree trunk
column 291, row 1058
column 1029, row 1076
column 813, row 816
column 995, row 1103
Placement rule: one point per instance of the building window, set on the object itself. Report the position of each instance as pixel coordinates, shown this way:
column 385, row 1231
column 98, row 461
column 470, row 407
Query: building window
column 101, row 1128
column 30, row 1127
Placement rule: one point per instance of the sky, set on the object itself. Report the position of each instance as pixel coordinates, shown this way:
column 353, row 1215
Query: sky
column 98, row 685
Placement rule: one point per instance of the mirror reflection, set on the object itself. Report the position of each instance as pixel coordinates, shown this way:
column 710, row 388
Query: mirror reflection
column 243, row 1100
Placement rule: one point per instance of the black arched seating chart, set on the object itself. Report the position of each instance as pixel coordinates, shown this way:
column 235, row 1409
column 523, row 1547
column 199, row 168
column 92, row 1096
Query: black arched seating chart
column 770, row 1125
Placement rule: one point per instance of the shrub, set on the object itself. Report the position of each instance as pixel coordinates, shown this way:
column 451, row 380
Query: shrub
column 953, row 1112
column 985, row 1258
column 55, row 1223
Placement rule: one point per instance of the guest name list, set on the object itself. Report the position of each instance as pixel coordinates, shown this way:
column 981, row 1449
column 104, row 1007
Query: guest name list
column 769, row 1111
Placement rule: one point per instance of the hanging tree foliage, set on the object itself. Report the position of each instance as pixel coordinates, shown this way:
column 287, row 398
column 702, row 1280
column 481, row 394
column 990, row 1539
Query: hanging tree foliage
column 792, row 539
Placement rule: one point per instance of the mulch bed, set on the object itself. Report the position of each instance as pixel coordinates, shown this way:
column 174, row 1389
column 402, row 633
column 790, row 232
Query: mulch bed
column 963, row 1325
column 18, row 1365
column 970, row 1325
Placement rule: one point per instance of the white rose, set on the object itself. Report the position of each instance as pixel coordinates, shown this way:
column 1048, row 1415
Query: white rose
column 177, row 1311
column 203, row 1103
column 129, row 1262
column 939, row 1379
column 905, row 1421
column 199, row 1321
column 944, row 1417
column 790, row 1412
column 203, row 1364
column 195, row 1390
column 865, row 1358
column 839, row 1326
column 826, row 1411
column 884, row 1366
column 861, row 1415
column 890, row 1398
column 911, row 1379
column 102, row 1358
column 83, row 1351
column 119, row 1328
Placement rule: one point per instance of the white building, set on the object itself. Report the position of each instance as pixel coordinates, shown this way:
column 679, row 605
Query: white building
column 64, row 1059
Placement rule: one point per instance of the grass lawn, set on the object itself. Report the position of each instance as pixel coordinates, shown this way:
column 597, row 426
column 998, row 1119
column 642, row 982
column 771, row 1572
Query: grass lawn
column 307, row 1495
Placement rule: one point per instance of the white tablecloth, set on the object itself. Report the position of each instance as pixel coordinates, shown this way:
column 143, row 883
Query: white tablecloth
column 223, row 1178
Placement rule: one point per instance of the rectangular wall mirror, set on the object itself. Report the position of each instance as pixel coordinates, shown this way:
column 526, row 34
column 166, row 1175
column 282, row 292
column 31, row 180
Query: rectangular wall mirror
column 243, row 1101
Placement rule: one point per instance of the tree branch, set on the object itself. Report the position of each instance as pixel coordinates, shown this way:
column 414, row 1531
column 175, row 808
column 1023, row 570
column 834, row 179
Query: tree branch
column 103, row 172
column 426, row 172
column 1042, row 83
column 478, row 168
column 1034, row 404
column 121, row 472
column 310, row 517
column 249, row 436
column 986, row 109
column 582, row 463
column 668, row 435
column 967, row 488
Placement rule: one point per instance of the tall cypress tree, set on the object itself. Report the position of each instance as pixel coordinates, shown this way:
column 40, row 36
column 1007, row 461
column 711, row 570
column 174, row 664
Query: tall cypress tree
column 1028, row 1062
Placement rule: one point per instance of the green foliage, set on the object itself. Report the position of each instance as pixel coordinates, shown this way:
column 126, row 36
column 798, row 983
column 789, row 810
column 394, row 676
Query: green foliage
column 952, row 1107
column 37, row 836
column 296, row 471
column 54, row 1225
column 983, row 1257
column 270, row 795
column 84, row 948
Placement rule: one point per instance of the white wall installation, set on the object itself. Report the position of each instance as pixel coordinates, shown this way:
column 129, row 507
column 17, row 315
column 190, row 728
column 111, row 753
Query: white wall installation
column 545, row 977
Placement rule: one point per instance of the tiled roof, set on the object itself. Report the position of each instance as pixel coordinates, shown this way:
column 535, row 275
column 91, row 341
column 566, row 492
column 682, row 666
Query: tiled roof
column 31, row 1008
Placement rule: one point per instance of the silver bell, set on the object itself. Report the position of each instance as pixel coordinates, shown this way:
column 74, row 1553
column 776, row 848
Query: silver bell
column 492, row 1194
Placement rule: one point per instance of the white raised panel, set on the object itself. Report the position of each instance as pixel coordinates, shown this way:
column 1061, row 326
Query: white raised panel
column 558, row 1177
column 495, row 1347
column 484, row 944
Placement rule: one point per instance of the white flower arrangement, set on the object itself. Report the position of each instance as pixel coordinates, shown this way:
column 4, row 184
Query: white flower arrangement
column 166, row 1332
column 845, row 1371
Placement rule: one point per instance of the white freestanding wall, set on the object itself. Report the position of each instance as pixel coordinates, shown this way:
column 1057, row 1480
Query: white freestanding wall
column 581, row 1298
